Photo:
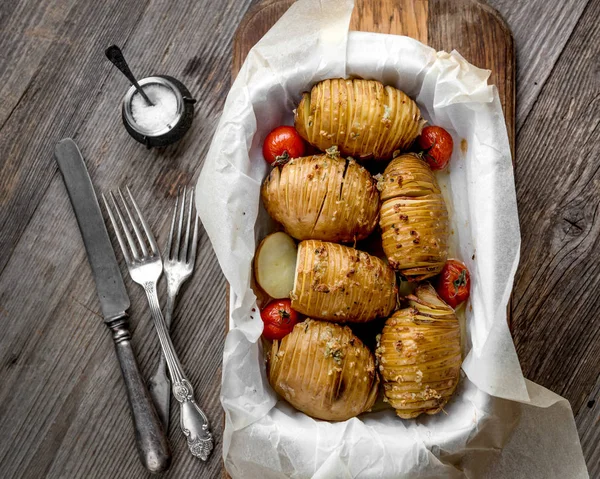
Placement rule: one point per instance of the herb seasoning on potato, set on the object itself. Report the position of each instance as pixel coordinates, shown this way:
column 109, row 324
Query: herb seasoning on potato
column 363, row 118
column 413, row 218
column 419, row 355
column 320, row 367
column 322, row 197
column 324, row 370
column 339, row 283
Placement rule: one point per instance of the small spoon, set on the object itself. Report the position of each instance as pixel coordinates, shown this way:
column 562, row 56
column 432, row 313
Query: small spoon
column 115, row 55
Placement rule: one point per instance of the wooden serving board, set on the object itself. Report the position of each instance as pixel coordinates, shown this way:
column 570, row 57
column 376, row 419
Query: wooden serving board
column 471, row 27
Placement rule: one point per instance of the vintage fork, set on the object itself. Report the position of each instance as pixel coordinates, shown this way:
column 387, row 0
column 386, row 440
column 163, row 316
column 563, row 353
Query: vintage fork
column 178, row 266
column 145, row 268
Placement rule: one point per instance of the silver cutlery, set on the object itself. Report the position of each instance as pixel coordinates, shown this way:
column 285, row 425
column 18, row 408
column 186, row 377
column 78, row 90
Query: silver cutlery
column 178, row 265
column 151, row 440
column 145, row 268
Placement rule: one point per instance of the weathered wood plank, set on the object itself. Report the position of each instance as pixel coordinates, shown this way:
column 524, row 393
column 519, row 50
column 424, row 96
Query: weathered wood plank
column 70, row 74
column 588, row 425
column 557, row 326
column 62, row 401
column 27, row 34
column 64, row 412
column 540, row 28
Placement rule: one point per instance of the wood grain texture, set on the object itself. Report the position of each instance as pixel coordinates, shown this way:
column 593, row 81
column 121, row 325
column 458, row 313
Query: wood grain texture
column 556, row 302
column 63, row 409
column 541, row 29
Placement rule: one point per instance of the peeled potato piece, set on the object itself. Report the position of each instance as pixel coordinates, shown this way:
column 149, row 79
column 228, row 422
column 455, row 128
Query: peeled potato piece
column 275, row 264
column 419, row 355
column 413, row 218
column 363, row 118
column 323, row 370
column 339, row 283
column 322, row 197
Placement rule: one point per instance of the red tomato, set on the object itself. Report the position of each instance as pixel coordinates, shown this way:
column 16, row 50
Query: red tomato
column 279, row 319
column 437, row 145
column 454, row 284
column 283, row 143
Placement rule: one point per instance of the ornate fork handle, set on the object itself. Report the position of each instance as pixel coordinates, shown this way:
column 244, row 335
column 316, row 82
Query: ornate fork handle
column 194, row 422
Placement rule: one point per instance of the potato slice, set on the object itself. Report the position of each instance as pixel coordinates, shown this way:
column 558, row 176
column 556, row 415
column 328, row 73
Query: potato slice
column 413, row 218
column 339, row 283
column 324, row 370
column 275, row 264
column 322, row 197
column 363, row 118
column 419, row 355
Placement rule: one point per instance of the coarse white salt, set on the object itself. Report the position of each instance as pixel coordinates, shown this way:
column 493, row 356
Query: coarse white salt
column 158, row 116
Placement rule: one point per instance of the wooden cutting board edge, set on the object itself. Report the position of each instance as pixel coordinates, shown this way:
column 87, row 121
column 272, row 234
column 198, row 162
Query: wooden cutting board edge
column 471, row 27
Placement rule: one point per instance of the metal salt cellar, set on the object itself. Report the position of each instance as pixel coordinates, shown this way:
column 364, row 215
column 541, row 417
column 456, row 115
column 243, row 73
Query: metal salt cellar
column 174, row 129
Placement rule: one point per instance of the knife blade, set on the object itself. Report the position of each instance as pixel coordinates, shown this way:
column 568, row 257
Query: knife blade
column 151, row 441
column 114, row 300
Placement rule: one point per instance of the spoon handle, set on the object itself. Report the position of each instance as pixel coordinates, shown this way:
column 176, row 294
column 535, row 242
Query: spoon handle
column 115, row 55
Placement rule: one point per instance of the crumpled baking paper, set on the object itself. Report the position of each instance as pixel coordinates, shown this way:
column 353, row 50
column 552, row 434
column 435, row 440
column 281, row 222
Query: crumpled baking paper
column 498, row 424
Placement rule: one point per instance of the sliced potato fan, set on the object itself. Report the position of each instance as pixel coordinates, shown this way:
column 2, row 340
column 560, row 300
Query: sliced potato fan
column 363, row 118
column 419, row 355
column 339, row 283
column 322, row 197
column 275, row 265
column 413, row 218
column 323, row 370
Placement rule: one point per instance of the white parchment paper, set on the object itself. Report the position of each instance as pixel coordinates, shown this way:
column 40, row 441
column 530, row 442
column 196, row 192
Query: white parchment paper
column 498, row 424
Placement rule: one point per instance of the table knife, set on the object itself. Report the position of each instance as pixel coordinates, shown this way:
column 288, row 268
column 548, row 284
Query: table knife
column 151, row 441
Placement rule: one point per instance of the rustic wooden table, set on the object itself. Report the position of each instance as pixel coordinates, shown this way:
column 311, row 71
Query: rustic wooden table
column 63, row 411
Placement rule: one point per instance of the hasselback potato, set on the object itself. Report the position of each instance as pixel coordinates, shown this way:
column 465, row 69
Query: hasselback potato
column 413, row 218
column 323, row 370
column 363, row 118
column 419, row 355
column 322, row 197
column 339, row 283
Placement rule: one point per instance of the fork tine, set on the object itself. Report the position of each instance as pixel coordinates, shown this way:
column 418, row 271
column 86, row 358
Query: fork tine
column 130, row 239
column 136, row 228
column 176, row 251
column 147, row 229
column 188, row 227
column 117, row 231
column 170, row 243
column 192, row 258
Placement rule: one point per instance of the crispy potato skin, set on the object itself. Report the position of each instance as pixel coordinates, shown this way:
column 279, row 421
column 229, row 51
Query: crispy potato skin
column 419, row 355
column 413, row 218
column 323, row 370
column 322, row 197
column 363, row 118
column 339, row 283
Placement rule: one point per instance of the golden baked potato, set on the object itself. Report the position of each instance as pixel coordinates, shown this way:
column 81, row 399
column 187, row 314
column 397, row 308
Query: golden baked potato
column 322, row 197
column 323, row 370
column 363, row 118
column 339, row 283
column 419, row 355
column 413, row 218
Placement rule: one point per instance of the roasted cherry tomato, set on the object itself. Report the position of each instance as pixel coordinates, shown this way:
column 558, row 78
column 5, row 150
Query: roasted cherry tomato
column 279, row 319
column 282, row 144
column 437, row 145
column 454, row 283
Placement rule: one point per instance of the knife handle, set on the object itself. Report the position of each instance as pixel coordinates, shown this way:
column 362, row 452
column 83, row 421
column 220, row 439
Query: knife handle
column 151, row 441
